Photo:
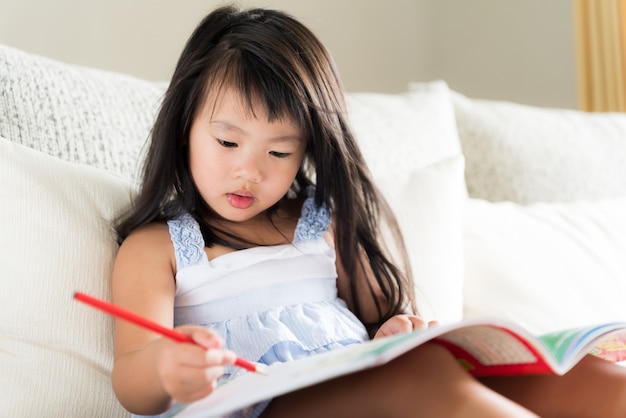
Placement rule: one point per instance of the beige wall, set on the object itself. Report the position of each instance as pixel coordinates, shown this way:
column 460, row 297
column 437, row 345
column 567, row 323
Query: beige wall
column 518, row 50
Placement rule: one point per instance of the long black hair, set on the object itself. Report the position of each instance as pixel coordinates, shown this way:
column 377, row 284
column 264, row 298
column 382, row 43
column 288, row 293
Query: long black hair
column 270, row 56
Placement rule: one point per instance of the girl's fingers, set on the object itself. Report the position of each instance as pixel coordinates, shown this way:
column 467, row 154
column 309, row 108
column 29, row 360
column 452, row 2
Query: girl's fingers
column 202, row 336
column 194, row 383
column 416, row 322
column 221, row 357
column 189, row 372
column 196, row 356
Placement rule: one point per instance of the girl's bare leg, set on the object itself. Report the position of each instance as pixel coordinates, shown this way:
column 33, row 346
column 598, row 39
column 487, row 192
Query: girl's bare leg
column 594, row 388
column 426, row 382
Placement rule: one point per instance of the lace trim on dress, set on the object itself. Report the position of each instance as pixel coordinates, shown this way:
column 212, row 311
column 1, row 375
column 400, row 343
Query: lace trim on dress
column 187, row 240
column 314, row 220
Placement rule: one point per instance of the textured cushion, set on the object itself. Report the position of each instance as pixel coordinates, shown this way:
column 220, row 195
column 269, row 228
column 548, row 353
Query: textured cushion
column 57, row 229
column 528, row 154
column 56, row 238
column 74, row 113
column 547, row 265
column 412, row 147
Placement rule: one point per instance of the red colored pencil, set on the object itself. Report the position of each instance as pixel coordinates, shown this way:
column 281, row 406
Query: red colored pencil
column 141, row 321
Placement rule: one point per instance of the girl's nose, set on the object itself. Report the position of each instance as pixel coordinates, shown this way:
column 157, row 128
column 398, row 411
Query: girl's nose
column 248, row 169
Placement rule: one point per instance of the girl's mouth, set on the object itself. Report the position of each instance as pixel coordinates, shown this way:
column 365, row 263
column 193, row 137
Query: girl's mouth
column 240, row 200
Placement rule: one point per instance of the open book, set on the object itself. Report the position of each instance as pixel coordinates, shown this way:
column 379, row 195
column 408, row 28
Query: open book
column 484, row 348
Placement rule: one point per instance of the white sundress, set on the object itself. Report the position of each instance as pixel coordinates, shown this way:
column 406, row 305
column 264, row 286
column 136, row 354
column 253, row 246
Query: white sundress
column 269, row 304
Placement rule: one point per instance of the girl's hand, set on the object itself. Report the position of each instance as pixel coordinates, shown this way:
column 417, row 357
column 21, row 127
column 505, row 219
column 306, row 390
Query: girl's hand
column 402, row 323
column 189, row 372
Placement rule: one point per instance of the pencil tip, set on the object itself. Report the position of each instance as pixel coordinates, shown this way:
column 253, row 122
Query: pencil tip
column 260, row 369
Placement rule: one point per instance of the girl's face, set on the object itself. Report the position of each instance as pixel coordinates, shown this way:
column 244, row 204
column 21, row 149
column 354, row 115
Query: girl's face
column 241, row 163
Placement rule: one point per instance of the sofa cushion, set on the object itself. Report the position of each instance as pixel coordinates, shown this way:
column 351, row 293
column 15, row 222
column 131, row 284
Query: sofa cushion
column 546, row 266
column 57, row 238
column 57, row 229
column 77, row 114
column 411, row 145
column 429, row 206
column 529, row 154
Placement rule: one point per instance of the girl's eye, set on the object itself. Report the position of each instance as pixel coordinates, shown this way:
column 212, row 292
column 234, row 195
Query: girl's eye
column 279, row 154
column 226, row 144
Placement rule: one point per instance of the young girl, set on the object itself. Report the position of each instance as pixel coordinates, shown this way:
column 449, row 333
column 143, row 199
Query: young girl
column 258, row 231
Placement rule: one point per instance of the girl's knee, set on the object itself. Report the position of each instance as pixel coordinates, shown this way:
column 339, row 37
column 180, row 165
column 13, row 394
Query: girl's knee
column 433, row 361
column 431, row 373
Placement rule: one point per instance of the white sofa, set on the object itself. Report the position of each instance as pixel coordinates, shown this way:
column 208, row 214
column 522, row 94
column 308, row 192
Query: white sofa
column 532, row 229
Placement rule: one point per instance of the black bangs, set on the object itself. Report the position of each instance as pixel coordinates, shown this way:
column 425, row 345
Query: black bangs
column 258, row 80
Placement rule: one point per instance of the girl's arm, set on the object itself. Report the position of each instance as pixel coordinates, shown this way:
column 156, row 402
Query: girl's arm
column 149, row 371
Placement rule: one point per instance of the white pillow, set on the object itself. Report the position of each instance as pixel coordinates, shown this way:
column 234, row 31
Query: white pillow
column 429, row 206
column 78, row 114
column 548, row 265
column 412, row 148
column 399, row 132
column 56, row 238
column 528, row 154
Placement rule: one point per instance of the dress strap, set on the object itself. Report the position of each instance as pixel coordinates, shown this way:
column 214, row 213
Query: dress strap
column 314, row 220
column 188, row 242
